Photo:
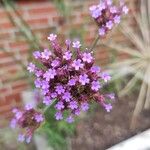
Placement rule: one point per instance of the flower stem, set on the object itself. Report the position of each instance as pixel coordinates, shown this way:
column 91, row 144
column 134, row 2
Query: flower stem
column 47, row 107
column 94, row 43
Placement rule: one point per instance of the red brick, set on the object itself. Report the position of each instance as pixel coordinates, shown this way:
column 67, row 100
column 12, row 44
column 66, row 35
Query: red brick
column 29, row 2
column 7, row 25
column 44, row 31
column 8, row 108
column 57, row 18
column 12, row 98
column 12, row 70
column 37, row 22
column 5, row 36
column 19, row 85
column 42, row 11
column 3, row 79
column 6, row 102
column 4, row 90
column 5, row 108
column 7, row 63
column 18, row 45
column 3, row 55
column 3, row 13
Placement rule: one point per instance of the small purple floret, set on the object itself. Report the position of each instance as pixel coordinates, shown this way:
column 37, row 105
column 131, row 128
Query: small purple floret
column 83, row 79
column 47, row 100
column 52, row 37
column 46, row 54
column 84, row 106
column 70, row 119
column 21, row 137
column 95, row 85
column 60, row 89
column 39, row 118
column 67, row 96
column 108, row 107
column 67, row 55
column 59, row 106
column 50, row 74
column 105, row 76
column 87, row 57
column 58, row 116
column 31, row 67
column 76, row 44
column 72, row 82
column 77, row 64
column 73, row 105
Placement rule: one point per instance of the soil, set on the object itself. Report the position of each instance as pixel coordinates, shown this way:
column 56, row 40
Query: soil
column 103, row 130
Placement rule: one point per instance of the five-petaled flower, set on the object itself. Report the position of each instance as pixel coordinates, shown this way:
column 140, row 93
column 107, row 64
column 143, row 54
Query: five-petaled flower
column 67, row 55
column 77, row 64
column 52, row 37
column 31, row 67
column 87, row 57
column 83, row 79
column 76, row 44
column 50, row 74
column 95, row 85
column 46, row 54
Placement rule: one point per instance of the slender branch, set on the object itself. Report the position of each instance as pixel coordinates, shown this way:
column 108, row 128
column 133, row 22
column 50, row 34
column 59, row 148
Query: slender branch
column 94, row 43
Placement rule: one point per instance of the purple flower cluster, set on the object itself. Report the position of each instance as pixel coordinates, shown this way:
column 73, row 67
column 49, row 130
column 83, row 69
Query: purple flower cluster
column 28, row 120
column 69, row 78
column 107, row 15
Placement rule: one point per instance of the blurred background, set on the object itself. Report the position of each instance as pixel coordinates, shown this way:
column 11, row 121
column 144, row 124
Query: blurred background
column 24, row 27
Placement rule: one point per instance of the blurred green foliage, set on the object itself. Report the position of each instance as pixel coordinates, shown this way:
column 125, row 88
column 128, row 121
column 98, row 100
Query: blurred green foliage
column 58, row 132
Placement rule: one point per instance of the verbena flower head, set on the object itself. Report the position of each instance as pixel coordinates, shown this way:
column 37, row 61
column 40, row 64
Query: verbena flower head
column 28, row 120
column 72, row 82
column 107, row 15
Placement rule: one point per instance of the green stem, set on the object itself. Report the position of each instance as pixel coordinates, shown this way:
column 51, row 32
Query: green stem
column 47, row 107
column 94, row 43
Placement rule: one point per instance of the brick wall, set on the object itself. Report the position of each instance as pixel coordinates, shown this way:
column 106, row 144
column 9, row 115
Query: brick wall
column 42, row 17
